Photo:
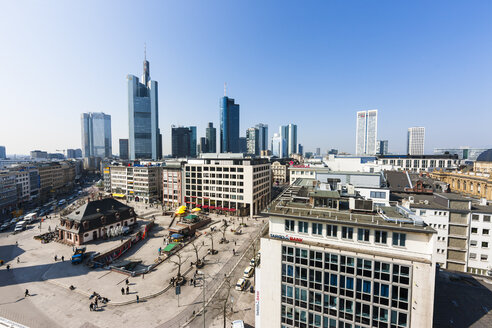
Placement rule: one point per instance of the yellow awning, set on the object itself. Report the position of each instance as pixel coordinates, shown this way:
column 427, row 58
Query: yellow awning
column 196, row 209
column 119, row 195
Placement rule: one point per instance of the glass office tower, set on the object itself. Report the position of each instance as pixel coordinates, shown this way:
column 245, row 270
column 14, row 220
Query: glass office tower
column 229, row 126
column 366, row 132
column 143, row 117
column 96, row 135
column 262, row 136
column 211, row 136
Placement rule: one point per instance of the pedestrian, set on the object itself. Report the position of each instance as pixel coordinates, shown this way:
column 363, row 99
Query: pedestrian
column 159, row 251
column 16, row 243
column 8, row 267
column 122, row 291
column 127, row 290
column 18, row 260
column 191, row 281
column 26, row 293
column 234, row 243
column 63, row 258
column 95, row 304
column 90, row 307
column 138, row 299
column 233, row 251
column 127, row 281
column 56, row 258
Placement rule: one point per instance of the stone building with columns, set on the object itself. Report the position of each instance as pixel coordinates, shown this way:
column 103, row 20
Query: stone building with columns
column 473, row 184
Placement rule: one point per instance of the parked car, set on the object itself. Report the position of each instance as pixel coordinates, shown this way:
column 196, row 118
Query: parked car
column 237, row 324
column 4, row 226
column 248, row 271
column 241, row 284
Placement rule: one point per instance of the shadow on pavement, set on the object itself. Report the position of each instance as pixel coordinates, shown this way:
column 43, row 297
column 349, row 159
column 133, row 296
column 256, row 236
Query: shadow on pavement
column 9, row 253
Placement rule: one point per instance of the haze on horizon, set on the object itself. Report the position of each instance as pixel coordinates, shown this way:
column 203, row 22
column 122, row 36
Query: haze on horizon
column 313, row 64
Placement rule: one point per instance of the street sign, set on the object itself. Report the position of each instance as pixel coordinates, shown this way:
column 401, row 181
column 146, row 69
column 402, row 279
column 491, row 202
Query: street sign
column 178, row 290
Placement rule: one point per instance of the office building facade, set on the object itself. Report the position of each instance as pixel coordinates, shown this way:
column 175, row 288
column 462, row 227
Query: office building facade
column 415, row 141
column 326, row 267
column 262, row 136
column 96, row 135
column 229, row 126
column 183, row 139
column 144, row 140
column 279, row 146
column 252, row 141
column 3, row 152
column 137, row 183
column 289, row 134
column 466, row 153
column 382, row 147
column 123, row 149
column 366, row 132
column 211, row 138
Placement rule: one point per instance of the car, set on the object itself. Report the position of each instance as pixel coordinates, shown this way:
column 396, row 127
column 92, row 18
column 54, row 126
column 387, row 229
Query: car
column 4, row 226
column 248, row 271
column 241, row 284
column 252, row 262
column 237, row 324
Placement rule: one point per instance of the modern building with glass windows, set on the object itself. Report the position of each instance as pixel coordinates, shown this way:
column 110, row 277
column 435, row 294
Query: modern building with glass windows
column 144, row 140
column 96, row 135
column 252, row 141
column 183, row 141
column 289, row 134
column 262, row 136
column 229, row 126
column 333, row 262
column 211, row 138
column 415, row 141
column 124, row 149
column 366, row 132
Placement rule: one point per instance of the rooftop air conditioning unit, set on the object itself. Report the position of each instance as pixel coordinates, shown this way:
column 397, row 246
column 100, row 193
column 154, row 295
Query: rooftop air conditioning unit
column 483, row 201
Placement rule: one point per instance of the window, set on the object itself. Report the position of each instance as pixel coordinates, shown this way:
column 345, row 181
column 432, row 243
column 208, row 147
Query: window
column 401, row 274
column 362, row 234
column 347, row 232
column 289, row 225
column 303, row 226
column 473, row 255
column 381, row 236
column 483, row 257
column 485, row 231
column 473, row 243
column 474, row 230
column 331, row 230
column 317, row 229
column 485, row 244
column 399, row 239
column 486, row 218
column 378, row 194
column 475, row 217
column 288, row 254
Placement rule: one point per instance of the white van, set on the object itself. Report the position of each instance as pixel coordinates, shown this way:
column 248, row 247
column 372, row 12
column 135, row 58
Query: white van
column 29, row 218
column 237, row 324
column 20, row 226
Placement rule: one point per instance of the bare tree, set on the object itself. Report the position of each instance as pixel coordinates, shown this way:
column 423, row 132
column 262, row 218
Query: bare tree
column 223, row 302
column 224, row 229
column 197, row 248
column 179, row 263
column 211, row 236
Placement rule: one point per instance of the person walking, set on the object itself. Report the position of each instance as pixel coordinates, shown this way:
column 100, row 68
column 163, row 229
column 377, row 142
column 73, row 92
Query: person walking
column 138, row 299
column 122, row 291
column 127, row 290
column 63, row 258
column 143, row 275
column 95, row 304
column 18, row 260
column 233, row 251
column 16, row 243
column 56, row 258
column 91, row 307
column 127, row 281
column 26, row 293
column 8, row 267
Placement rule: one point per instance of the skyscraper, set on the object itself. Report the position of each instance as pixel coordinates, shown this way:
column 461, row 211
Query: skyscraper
column 289, row 134
column 300, row 149
column 382, row 147
column 366, row 132
column 279, row 146
column 211, row 136
column 229, row 126
column 415, row 141
column 181, row 141
column 144, row 140
column 252, row 141
column 193, row 141
column 203, row 147
column 96, row 135
column 262, row 136
column 123, row 148
column 3, row 153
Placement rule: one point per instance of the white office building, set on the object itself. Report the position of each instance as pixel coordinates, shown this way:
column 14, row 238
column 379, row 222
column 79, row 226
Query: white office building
column 415, row 141
column 366, row 132
column 322, row 266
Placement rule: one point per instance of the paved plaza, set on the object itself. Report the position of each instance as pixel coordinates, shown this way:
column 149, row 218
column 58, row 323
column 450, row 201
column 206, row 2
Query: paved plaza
column 53, row 304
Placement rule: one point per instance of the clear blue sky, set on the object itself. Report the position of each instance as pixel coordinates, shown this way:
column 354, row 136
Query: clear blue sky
column 313, row 63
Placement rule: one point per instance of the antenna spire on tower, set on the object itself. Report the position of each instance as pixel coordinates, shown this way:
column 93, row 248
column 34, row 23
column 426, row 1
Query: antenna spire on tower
column 145, row 51
column 225, row 89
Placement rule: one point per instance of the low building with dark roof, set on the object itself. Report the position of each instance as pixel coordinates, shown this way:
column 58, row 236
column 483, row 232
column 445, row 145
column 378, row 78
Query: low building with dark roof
column 94, row 220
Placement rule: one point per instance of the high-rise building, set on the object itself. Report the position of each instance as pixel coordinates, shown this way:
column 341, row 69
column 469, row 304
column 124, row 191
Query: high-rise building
column 183, row 141
column 203, row 147
column 262, row 136
column 229, row 126
column 324, row 266
column 123, row 148
column 279, row 146
column 415, row 141
column 211, row 136
column 3, row 153
column 382, row 147
column 39, row 154
column 300, row 149
column 252, row 141
column 318, row 151
column 96, row 135
column 144, row 140
column 243, row 145
column 289, row 134
column 366, row 132
column 78, row 153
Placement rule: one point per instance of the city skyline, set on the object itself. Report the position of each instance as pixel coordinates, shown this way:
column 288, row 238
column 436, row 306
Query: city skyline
column 435, row 81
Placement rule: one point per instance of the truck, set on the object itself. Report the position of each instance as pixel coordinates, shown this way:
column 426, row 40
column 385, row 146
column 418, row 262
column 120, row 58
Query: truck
column 20, row 226
column 31, row 217
column 78, row 255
